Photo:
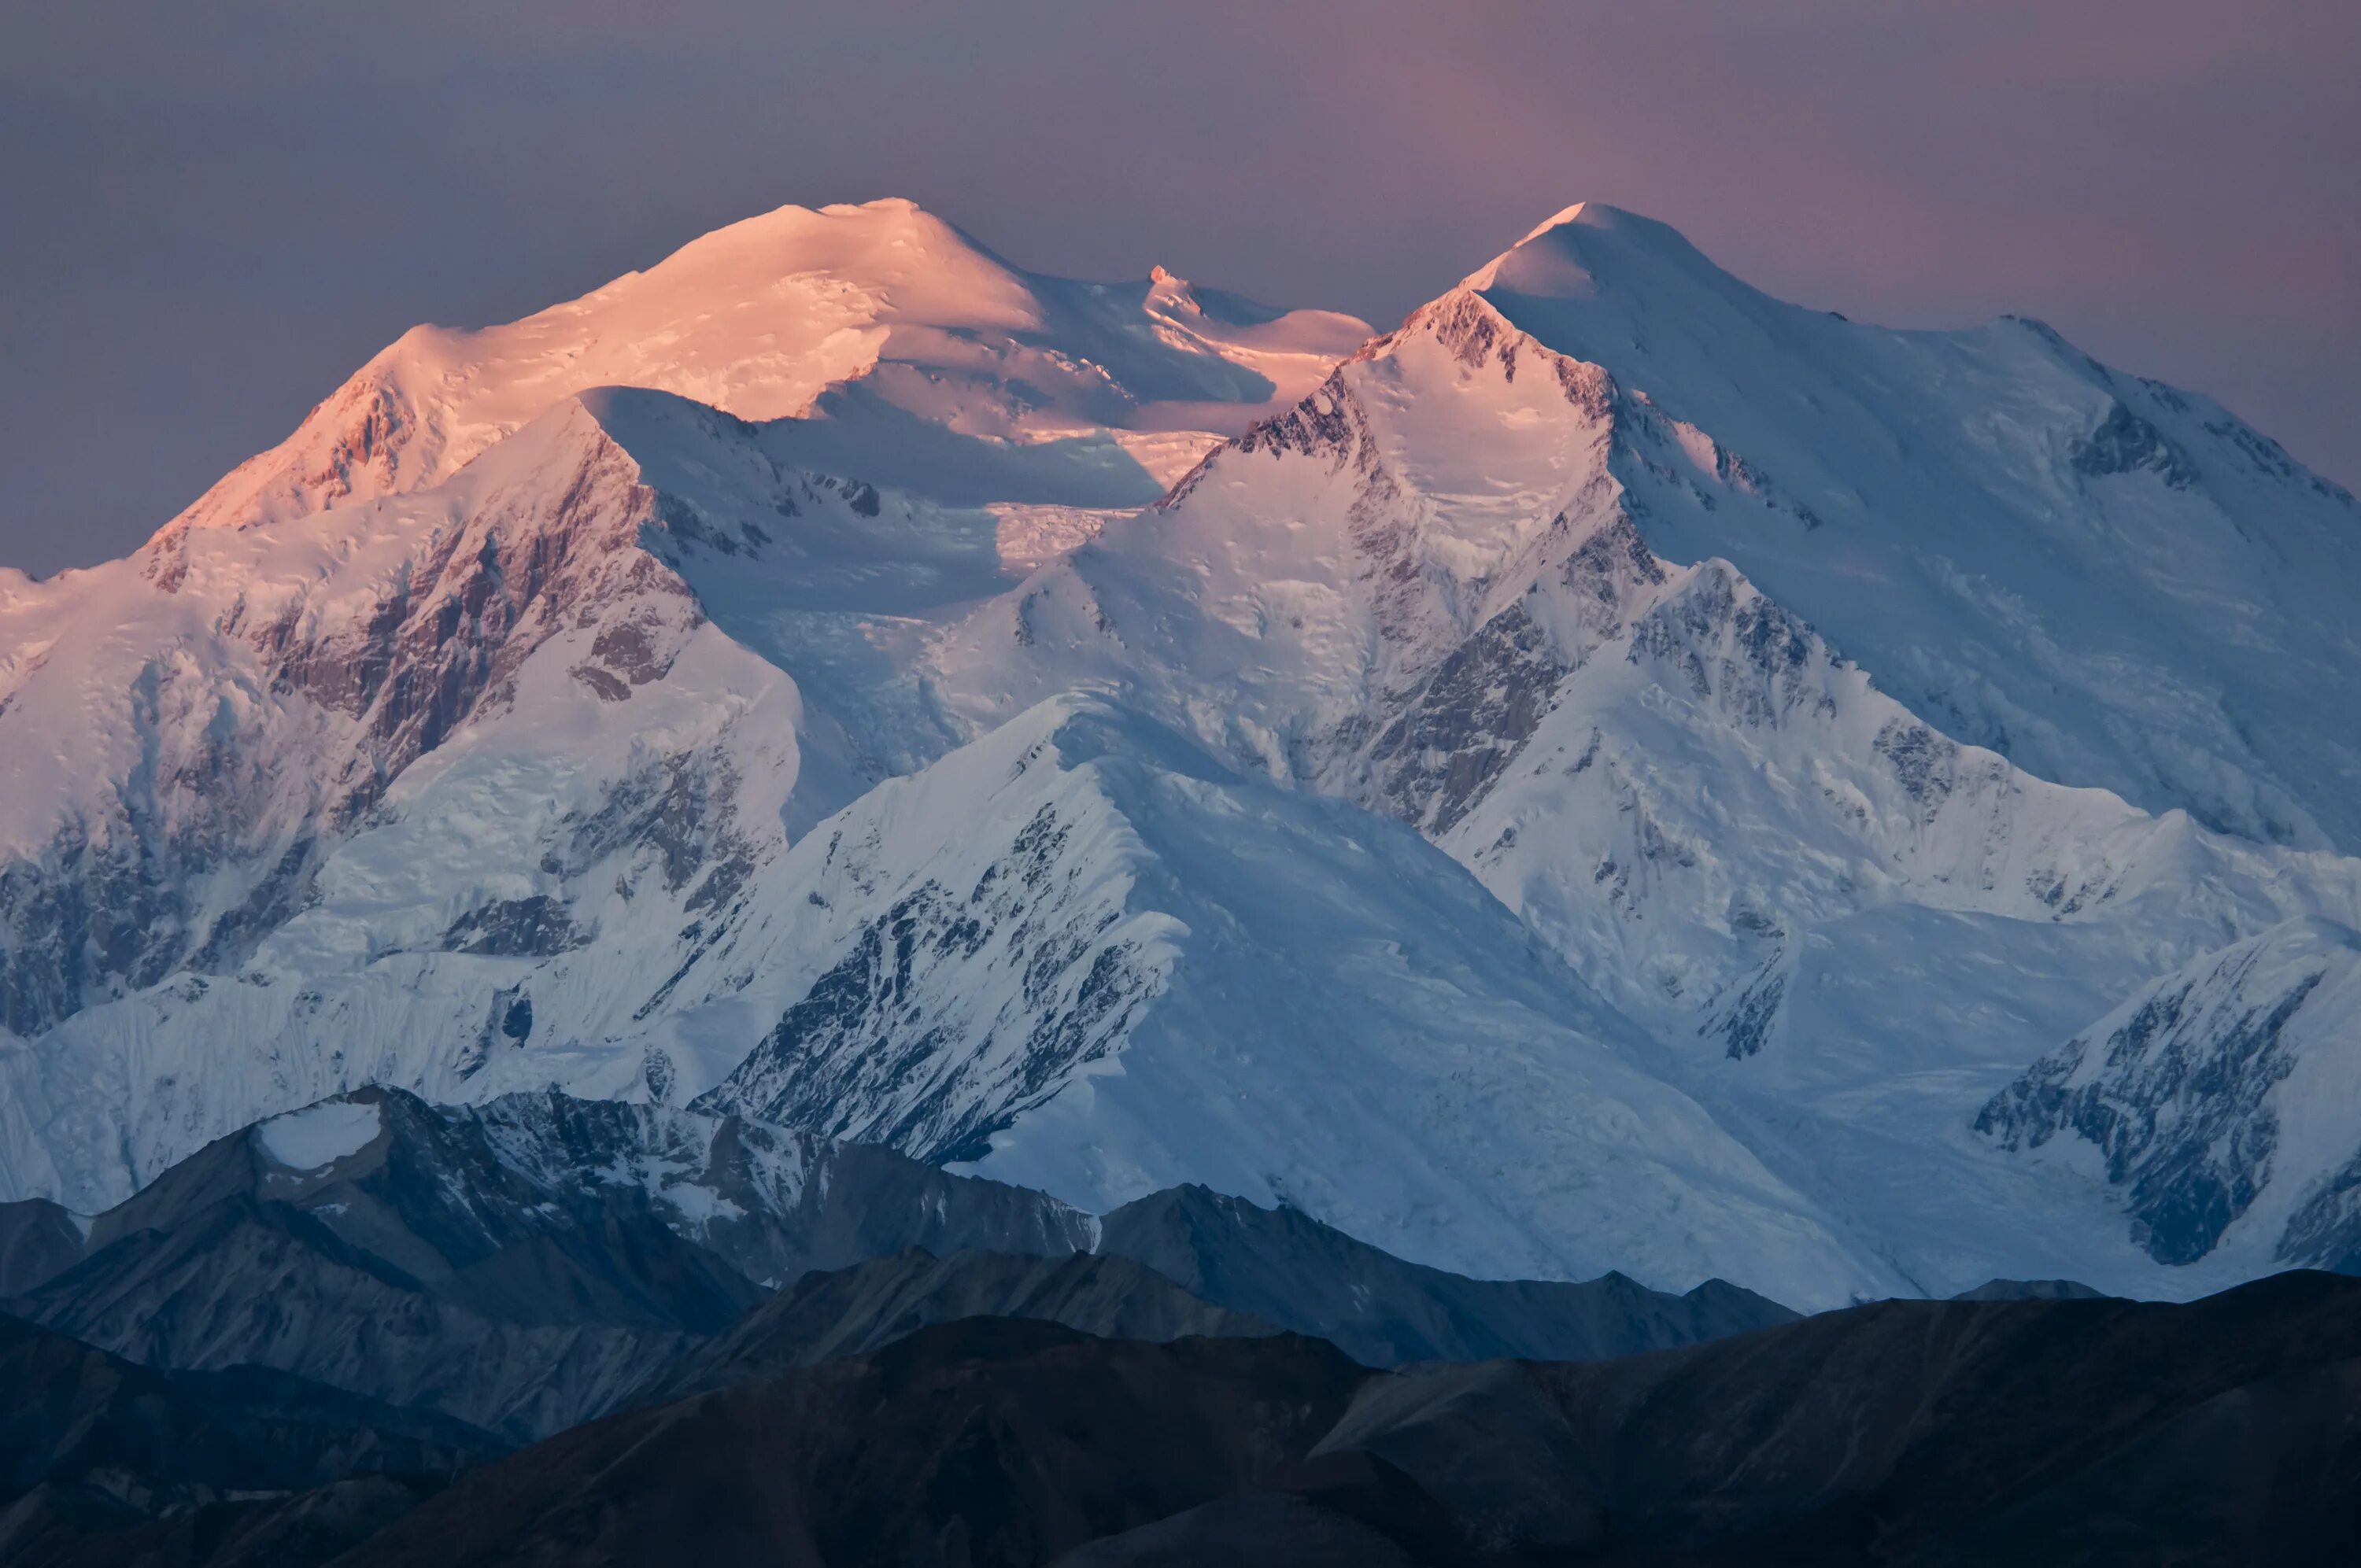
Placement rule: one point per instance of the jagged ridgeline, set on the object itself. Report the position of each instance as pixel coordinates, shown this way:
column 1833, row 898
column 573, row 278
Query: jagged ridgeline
column 531, row 1263
column 1617, row 773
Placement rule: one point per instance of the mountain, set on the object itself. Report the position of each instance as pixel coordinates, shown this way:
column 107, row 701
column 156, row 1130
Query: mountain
column 2221, row 1102
column 367, row 776
column 1309, row 1278
column 1447, row 585
column 520, row 1265
column 101, row 1460
column 857, row 1311
column 875, row 317
column 1191, row 1261
column 1831, row 720
column 369, row 1245
column 537, row 1261
column 1082, row 955
column 1904, row 1431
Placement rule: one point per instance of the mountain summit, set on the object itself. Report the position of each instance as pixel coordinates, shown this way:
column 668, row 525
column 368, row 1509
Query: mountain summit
column 762, row 318
column 1619, row 772
column 2162, row 570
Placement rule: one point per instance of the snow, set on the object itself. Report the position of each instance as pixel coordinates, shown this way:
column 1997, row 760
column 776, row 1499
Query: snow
column 1810, row 728
column 2109, row 579
column 1311, row 1005
column 2223, row 1100
column 319, row 1136
column 1752, row 859
column 762, row 318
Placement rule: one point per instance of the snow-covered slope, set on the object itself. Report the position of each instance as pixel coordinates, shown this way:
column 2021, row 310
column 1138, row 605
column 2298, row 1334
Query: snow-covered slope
column 2111, row 581
column 1858, row 714
column 2223, row 1100
column 1445, row 585
column 540, row 673
column 416, row 733
column 885, row 304
column 1082, row 956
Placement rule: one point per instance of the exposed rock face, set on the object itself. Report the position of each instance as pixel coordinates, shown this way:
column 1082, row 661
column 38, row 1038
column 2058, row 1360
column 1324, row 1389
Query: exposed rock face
column 2216, row 1085
column 2125, row 442
column 1445, row 750
column 520, row 1267
column 775, row 1205
column 844, row 1060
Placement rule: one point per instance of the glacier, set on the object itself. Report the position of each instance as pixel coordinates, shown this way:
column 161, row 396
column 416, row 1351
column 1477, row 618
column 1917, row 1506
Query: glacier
column 1617, row 772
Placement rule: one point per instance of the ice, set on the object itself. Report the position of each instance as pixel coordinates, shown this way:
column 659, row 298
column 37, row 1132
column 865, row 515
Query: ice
column 319, row 1136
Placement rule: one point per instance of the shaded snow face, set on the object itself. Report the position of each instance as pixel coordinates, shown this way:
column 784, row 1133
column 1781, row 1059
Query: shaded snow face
column 319, row 1136
column 2110, row 581
column 513, row 731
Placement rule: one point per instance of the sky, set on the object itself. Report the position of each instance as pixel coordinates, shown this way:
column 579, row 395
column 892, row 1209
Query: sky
column 209, row 214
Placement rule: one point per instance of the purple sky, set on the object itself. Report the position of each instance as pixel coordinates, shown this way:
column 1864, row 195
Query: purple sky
column 210, row 213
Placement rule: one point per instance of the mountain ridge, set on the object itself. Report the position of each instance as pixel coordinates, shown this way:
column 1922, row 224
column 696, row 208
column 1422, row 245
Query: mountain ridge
column 507, row 774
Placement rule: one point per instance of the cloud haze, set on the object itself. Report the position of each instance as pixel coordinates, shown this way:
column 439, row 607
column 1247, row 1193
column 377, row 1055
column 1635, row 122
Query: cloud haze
column 214, row 213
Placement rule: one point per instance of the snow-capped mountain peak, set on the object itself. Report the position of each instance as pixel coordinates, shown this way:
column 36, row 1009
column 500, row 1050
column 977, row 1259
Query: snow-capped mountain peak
column 2159, row 567
column 759, row 319
column 790, row 677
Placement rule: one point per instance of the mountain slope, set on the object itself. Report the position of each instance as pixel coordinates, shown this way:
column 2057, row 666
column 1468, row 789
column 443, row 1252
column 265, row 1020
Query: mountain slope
column 104, row 1461
column 1010, row 1440
column 1311, row 1279
column 2111, row 581
column 38, row 1240
column 369, row 1245
column 522, row 1265
column 762, row 318
column 1082, row 955
column 76, row 1411
column 1923, row 1433
column 860, row 1310
column 2223, row 1100
column 504, row 730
